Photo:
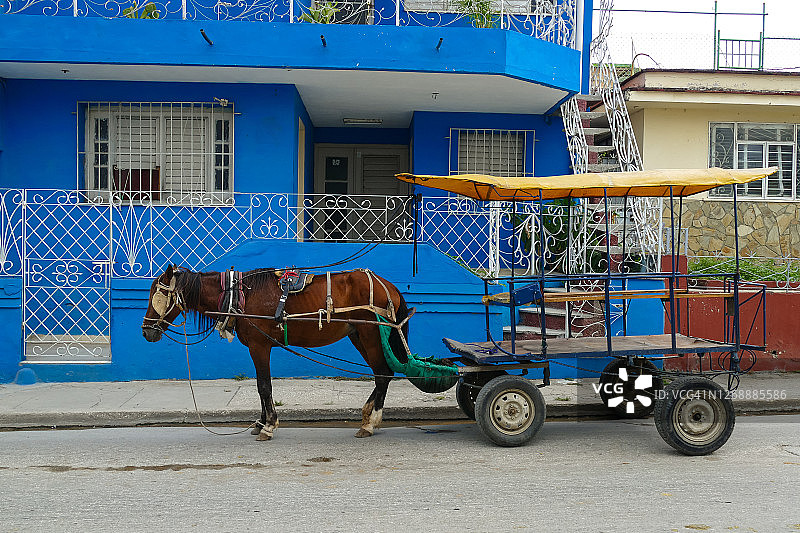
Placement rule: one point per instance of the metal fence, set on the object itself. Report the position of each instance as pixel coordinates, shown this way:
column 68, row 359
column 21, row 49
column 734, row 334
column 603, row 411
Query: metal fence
column 550, row 20
column 67, row 246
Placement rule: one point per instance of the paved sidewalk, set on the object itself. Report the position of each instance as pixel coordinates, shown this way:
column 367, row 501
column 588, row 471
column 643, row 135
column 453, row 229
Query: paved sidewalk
column 225, row 400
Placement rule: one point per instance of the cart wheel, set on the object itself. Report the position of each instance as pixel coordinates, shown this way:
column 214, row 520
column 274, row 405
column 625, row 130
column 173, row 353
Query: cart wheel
column 510, row 410
column 632, row 404
column 695, row 416
column 468, row 388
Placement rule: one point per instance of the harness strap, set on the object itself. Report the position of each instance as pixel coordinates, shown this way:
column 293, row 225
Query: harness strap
column 231, row 300
column 331, row 309
column 328, row 298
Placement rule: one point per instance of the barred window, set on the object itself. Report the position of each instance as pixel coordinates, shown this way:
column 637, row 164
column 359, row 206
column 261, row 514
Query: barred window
column 158, row 152
column 754, row 145
column 506, row 153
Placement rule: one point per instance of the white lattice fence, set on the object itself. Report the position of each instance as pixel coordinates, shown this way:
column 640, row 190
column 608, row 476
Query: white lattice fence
column 66, row 278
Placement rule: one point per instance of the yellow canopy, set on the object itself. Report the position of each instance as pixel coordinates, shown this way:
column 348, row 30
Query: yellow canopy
column 684, row 182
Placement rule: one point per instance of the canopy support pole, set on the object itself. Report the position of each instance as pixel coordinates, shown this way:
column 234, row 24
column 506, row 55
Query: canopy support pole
column 672, row 273
column 543, row 314
column 608, row 273
column 734, row 363
column 568, row 268
column 623, row 268
column 678, row 261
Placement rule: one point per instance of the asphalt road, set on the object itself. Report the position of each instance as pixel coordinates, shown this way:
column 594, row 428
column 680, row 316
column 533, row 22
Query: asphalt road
column 575, row 476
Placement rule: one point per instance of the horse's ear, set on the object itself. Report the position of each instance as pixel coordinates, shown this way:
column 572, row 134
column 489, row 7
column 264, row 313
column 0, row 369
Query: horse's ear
column 168, row 274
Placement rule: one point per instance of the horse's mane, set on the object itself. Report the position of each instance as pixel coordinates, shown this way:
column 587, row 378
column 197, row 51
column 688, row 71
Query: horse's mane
column 188, row 283
column 259, row 278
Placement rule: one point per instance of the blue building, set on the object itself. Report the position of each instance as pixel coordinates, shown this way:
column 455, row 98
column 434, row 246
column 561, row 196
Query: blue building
column 133, row 136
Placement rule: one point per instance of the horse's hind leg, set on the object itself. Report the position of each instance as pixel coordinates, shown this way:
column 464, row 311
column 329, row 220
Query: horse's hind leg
column 372, row 412
column 265, row 428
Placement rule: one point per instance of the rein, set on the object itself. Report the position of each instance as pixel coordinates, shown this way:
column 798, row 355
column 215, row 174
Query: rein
column 194, row 399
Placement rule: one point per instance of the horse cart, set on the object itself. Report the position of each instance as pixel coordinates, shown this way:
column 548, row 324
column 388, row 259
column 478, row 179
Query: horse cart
column 693, row 413
column 269, row 308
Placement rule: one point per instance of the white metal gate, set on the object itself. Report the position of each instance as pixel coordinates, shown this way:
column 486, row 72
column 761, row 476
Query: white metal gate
column 66, row 278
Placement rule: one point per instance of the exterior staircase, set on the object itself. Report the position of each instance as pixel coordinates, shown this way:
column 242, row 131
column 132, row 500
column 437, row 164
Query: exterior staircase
column 601, row 153
column 563, row 319
column 599, row 139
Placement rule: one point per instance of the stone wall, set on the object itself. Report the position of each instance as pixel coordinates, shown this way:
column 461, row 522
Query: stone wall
column 766, row 229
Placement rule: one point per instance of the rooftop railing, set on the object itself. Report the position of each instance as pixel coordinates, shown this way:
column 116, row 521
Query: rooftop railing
column 550, row 20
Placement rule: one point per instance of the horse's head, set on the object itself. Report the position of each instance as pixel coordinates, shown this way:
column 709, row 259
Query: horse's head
column 166, row 303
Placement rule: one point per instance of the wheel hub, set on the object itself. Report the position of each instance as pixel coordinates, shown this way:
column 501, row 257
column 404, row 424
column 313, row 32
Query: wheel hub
column 699, row 420
column 512, row 411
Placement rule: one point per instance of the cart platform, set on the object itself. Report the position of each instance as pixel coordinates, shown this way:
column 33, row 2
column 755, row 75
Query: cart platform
column 531, row 350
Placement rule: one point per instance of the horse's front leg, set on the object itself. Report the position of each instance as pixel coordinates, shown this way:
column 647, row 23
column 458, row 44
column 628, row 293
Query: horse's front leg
column 372, row 412
column 265, row 427
column 372, row 351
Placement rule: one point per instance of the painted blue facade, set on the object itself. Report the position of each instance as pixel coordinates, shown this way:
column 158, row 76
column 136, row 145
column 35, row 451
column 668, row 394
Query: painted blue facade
column 51, row 65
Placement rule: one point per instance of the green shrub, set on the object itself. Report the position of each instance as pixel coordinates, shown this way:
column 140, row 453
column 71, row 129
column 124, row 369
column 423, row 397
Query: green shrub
column 149, row 11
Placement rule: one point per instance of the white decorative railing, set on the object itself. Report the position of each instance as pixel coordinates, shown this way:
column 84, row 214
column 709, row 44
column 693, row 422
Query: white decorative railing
column 576, row 139
column 144, row 237
column 550, row 20
column 68, row 246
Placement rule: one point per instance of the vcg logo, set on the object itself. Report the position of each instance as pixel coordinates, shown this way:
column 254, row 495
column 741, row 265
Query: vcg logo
column 615, row 395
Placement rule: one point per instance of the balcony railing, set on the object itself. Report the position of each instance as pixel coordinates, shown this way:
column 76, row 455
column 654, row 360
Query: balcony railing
column 550, row 20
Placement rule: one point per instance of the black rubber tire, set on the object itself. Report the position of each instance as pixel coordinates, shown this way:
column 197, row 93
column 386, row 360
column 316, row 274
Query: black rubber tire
column 695, row 415
column 611, row 375
column 468, row 388
column 510, row 410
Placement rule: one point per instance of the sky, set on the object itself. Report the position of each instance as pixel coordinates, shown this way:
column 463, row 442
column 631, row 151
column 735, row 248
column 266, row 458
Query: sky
column 686, row 40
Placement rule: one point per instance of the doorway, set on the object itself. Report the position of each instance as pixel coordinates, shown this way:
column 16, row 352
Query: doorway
column 357, row 197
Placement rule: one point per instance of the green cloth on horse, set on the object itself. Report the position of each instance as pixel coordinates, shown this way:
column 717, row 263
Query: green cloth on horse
column 428, row 374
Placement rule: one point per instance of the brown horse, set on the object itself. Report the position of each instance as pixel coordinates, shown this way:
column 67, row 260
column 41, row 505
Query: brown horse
column 178, row 291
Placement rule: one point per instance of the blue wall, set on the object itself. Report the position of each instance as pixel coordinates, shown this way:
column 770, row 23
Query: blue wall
column 43, row 150
column 347, row 135
column 10, row 320
column 431, row 134
column 448, row 304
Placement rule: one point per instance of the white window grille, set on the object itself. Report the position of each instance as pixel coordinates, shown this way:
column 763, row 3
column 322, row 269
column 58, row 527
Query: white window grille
column 507, row 153
column 157, row 152
column 755, row 145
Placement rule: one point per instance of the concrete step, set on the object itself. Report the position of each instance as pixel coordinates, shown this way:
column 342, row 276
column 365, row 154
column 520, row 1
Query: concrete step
column 556, row 318
column 603, row 167
column 601, row 148
column 555, row 311
column 532, row 332
column 592, row 114
column 589, row 98
column 596, row 131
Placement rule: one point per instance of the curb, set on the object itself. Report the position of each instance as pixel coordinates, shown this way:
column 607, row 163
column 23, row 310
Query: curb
column 239, row 416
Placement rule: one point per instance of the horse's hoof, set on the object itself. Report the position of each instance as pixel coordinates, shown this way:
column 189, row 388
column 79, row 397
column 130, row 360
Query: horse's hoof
column 264, row 436
column 256, row 430
column 363, row 433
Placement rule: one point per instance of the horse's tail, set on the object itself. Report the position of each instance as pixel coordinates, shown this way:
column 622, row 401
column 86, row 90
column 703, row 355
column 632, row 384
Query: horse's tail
column 396, row 343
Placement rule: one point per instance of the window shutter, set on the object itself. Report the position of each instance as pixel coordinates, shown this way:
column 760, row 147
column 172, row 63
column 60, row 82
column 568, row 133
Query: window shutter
column 137, row 141
column 185, row 154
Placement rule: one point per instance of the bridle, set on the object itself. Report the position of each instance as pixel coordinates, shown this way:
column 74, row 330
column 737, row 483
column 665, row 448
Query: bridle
column 164, row 303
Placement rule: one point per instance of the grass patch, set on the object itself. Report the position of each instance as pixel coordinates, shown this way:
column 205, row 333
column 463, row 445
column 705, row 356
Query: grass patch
column 751, row 269
column 240, row 377
column 563, row 398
